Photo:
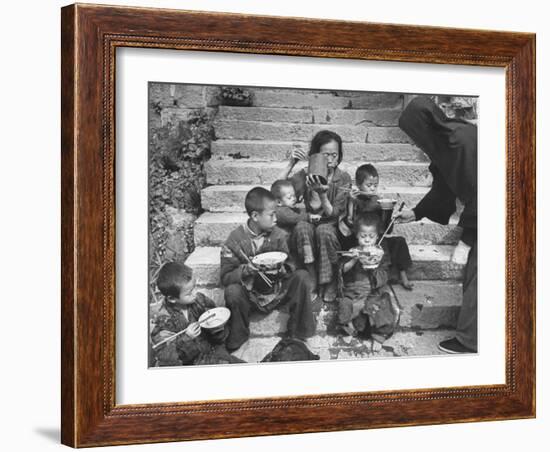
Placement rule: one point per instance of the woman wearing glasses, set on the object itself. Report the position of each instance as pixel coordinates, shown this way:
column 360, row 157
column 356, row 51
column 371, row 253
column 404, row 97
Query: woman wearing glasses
column 316, row 244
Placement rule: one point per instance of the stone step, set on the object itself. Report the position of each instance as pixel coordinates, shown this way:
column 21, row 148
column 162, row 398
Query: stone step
column 265, row 114
column 252, row 172
column 230, row 198
column 278, row 151
column 430, row 305
column 296, row 98
column 288, row 131
column 428, row 316
column 430, row 262
column 401, row 344
column 211, row 229
column 384, row 117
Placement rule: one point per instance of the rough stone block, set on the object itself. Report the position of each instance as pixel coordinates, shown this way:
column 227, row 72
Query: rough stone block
column 173, row 115
column 284, row 131
column 179, row 95
column 230, row 198
column 278, row 151
column 382, row 118
column 260, row 173
column 205, row 262
column 211, row 229
column 386, row 135
column 429, row 263
column 291, row 98
column 430, row 305
column 426, row 232
column 256, row 348
column 264, row 114
column 271, row 324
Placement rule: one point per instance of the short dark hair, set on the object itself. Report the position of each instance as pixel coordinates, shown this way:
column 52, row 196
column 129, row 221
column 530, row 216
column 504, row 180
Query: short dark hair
column 363, row 172
column 278, row 186
column 172, row 276
column 368, row 219
column 256, row 198
column 323, row 137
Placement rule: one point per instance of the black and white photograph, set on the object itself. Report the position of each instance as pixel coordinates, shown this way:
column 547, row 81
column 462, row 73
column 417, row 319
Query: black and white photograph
column 301, row 224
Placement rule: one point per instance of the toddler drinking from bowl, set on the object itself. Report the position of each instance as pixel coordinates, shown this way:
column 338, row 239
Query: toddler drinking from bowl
column 367, row 306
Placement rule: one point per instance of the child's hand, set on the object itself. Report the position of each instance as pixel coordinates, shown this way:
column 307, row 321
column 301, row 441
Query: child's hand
column 354, row 252
column 297, row 154
column 193, row 330
column 354, row 193
column 405, row 216
column 314, row 218
column 250, row 270
column 314, row 183
column 164, row 334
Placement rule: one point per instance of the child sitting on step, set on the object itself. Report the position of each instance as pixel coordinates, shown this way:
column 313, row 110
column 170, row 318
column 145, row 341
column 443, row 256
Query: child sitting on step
column 245, row 286
column 362, row 199
column 181, row 308
column 367, row 305
column 290, row 218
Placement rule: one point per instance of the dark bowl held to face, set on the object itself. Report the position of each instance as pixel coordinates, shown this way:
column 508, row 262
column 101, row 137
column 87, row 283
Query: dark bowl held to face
column 318, row 166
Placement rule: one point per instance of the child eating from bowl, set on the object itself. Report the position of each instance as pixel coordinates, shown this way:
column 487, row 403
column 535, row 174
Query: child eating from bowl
column 362, row 199
column 291, row 218
column 245, row 286
column 367, row 305
column 181, row 308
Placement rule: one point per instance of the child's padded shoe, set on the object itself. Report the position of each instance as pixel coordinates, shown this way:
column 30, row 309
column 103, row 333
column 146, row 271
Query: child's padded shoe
column 407, row 285
column 453, row 346
column 349, row 329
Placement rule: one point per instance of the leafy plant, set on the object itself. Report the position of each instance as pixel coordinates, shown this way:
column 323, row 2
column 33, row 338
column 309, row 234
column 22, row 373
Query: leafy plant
column 177, row 153
column 232, row 95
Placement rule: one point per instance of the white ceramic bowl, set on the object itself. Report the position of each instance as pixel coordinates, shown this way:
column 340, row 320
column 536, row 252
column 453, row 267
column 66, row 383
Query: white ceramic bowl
column 387, row 203
column 221, row 316
column 269, row 261
column 370, row 258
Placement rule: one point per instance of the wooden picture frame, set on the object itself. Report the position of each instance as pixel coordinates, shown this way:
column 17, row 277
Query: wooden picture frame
column 90, row 36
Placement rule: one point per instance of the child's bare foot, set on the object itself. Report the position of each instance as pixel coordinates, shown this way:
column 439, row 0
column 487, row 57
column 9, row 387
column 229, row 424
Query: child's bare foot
column 313, row 281
column 407, row 285
column 404, row 280
column 376, row 346
column 329, row 292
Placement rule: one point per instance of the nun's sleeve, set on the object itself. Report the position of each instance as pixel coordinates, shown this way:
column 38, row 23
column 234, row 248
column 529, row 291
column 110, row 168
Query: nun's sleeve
column 439, row 203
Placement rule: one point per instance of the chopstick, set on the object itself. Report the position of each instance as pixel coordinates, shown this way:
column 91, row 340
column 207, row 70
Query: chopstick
column 360, row 192
column 158, row 344
column 262, row 275
column 391, row 223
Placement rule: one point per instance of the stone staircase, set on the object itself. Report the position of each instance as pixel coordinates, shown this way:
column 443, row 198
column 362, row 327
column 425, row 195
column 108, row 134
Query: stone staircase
column 251, row 147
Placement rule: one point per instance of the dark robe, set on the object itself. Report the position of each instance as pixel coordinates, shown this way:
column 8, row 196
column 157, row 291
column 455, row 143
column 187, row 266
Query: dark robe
column 451, row 145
